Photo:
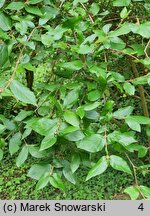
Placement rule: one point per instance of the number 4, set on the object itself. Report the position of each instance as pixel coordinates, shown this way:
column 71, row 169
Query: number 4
column 141, row 207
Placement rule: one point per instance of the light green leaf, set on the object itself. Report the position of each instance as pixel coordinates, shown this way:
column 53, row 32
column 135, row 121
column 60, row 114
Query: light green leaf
column 34, row 151
column 92, row 106
column 22, row 93
column 98, row 168
column 75, row 136
column 3, row 54
column 94, row 9
column 123, row 30
column 133, row 192
column 69, row 175
column 14, row 143
column 85, row 49
column 23, row 155
column 93, row 143
column 120, row 3
column 146, row 191
column 74, row 65
column 43, row 181
column 35, row 1
column 15, row 6
column 2, row 3
column 75, row 2
column 2, row 128
column 33, row 10
column 22, row 115
column 5, row 23
column 47, row 39
column 1, row 154
column 48, row 142
column 38, row 170
column 75, row 162
column 123, row 112
column 141, row 80
column 56, row 181
column 129, row 88
column 118, row 163
column 71, row 98
column 124, row 13
column 134, row 125
column 140, row 119
column 71, row 118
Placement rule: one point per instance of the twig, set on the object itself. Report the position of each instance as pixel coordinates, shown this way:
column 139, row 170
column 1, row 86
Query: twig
column 119, row 51
column 90, row 17
column 145, row 50
column 18, row 60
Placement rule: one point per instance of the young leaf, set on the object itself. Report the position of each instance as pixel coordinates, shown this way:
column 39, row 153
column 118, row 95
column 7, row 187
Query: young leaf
column 133, row 192
column 98, row 168
column 129, row 88
column 118, row 163
column 22, row 156
column 48, row 142
column 71, row 118
column 93, row 143
column 22, row 93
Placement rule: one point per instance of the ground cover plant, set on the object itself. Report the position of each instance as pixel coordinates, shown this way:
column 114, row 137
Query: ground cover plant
column 74, row 92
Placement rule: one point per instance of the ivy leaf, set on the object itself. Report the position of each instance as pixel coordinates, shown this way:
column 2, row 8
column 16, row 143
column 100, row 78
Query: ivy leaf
column 118, row 163
column 93, row 143
column 22, row 93
column 71, row 118
column 121, row 3
column 5, row 22
column 134, row 125
column 129, row 88
column 22, row 156
column 133, row 192
column 75, row 162
column 48, row 142
column 14, row 143
column 123, row 112
column 98, row 168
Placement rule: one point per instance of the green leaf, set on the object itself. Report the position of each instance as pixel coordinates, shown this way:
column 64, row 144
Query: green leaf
column 141, row 80
column 118, row 163
column 73, row 66
column 14, row 143
column 43, row 126
column 123, row 30
column 47, row 39
column 69, row 175
column 133, row 192
column 92, row 106
column 5, row 23
column 146, row 191
column 140, row 119
column 94, row 95
column 34, row 151
column 75, row 136
column 120, row 3
column 94, row 9
column 124, row 13
column 142, row 29
column 35, row 1
column 123, row 112
column 75, row 2
column 23, row 155
column 15, row 6
column 56, row 181
column 1, row 154
column 93, row 143
column 71, row 98
column 22, row 93
column 75, row 162
column 68, row 130
column 134, row 125
column 38, row 170
column 33, row 10
column 98, row 168
column 22, row 115
column 71, row 118
column 85, row 49
column 2, row 3
column 48, row 142
column 129, row 88
column 2, row 128
column 43, row 181
column 3, row 54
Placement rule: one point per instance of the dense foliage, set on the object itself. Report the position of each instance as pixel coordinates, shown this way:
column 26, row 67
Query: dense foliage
column 74, row 88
